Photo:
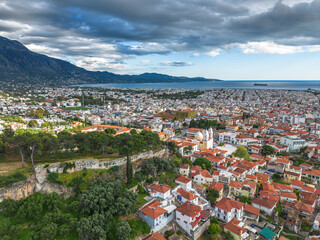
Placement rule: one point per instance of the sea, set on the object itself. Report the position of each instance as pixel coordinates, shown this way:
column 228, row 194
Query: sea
column 284, row 85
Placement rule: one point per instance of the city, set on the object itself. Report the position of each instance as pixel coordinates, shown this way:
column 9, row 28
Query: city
column 205, row 164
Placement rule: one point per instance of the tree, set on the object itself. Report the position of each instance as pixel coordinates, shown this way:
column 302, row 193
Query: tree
column 172, row 147
column 187, row 150
column 203, row 162
column 214, row 229
column 241, row 152
column 123, row 230
column 93, row 227
column 110, row 131
column 245, row 199
column 276, row 177
column 35, row 146
column 268, row 150
column 33, row 123
column 129, row 171
column 20, row 142
column 212, row 195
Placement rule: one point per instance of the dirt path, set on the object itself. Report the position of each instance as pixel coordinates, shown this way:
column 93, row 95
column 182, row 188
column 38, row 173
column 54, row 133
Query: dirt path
column 7, row 168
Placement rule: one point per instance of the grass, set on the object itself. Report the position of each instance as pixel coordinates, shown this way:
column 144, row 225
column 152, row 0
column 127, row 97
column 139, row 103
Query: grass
column 138, row 228
column 7, row 181
column 87, row 175
column 168, row 178
column 141, row 201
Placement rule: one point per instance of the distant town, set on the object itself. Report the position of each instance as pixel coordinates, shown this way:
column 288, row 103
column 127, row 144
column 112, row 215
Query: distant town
column 108, row 163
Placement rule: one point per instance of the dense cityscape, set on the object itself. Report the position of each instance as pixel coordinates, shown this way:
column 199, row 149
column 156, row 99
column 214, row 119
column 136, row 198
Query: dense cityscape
column 98, row 163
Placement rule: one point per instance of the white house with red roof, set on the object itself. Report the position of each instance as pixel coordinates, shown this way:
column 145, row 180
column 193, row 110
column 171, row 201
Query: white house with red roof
column 188, row 216
column 156, row 215
column 184, row 182
column 227, row 209
column 160, row 190
column 203, row 177
column 186, row 196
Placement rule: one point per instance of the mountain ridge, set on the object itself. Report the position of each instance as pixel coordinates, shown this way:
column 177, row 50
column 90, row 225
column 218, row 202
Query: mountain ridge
column 19, row 64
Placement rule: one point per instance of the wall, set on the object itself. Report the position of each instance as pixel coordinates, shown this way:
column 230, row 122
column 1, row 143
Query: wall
column 38, row 182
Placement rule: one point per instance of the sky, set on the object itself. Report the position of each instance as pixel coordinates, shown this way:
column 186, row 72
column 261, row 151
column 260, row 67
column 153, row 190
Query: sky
column 229, row 40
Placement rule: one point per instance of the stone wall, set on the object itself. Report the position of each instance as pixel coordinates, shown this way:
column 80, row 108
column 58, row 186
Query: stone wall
column 41, row 170
column 38, row 182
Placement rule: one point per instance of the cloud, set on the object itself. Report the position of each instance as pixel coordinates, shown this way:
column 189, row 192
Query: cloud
column 269, row 47
column 176, row 64
column 117, row 30
column 145, row 61
column 214, row 53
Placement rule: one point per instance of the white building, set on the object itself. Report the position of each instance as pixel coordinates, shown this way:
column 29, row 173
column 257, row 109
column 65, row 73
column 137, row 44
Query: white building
column 227, row 209
column 184, row 182
column 203, row 177
column 188, row 216
column 293, row 142
column 160, row 190
column 267, row 205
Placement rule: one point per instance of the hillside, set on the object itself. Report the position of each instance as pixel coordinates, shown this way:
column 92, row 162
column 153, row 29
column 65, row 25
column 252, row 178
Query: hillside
column 19, row 64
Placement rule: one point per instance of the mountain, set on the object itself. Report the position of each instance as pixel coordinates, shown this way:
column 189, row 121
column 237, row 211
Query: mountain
column 19, row 64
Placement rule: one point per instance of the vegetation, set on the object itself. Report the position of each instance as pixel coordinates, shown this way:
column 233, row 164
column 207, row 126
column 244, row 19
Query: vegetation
column 212, row 195
column 93, row 214
column 241, row 152
column 12, row 118
column 203, row 123
column 182, row 95
column 7, row 181
column 203, row 163
column 245, row 199
column 31, row 145
column 268, row 150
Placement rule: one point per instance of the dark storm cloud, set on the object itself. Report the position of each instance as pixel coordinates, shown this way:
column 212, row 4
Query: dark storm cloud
column 118, row 29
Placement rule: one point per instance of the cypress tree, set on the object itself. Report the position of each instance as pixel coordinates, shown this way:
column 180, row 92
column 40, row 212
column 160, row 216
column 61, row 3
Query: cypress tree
column 129, row 170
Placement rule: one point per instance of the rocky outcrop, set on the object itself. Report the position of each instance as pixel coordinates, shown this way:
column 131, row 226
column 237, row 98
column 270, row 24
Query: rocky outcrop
column 18, row 190
column 42, row 170
column 38, row 182
column 26, row 188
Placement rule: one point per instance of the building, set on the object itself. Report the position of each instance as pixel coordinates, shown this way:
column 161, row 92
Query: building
column 293, row 142
column 218, row 186
column 227, row 209
column 266, row 205
column 155, row 215
column 155, row 236
column 288, row 176
column 203, row 177
column 185, row 196
column 160, row 190
column 185, row 169
column 188, row 216
column 251, row 213
column 267, row 234
column 235, row 227
column 184, row 182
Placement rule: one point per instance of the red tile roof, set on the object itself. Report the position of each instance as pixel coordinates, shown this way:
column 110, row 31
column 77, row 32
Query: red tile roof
column 229, row 204
column 233, row 226
column 189, row 209
column 217, row 186
column 163, row 188
column 268, row 203
column 153, row 210
column 187, row 195
column 183, row 179
column 251, row 209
